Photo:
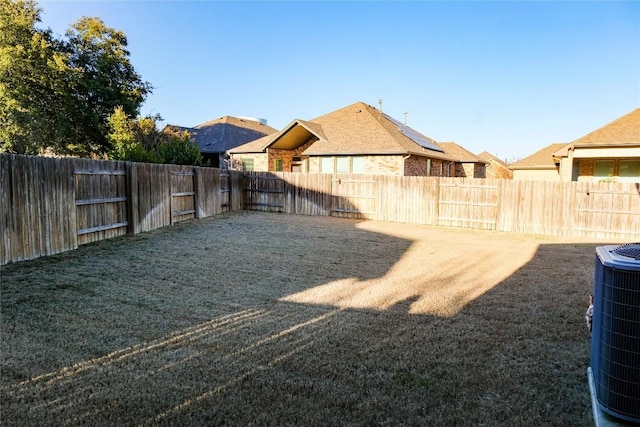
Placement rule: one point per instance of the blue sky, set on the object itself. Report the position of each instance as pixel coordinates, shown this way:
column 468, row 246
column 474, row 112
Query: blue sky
column 505, row 77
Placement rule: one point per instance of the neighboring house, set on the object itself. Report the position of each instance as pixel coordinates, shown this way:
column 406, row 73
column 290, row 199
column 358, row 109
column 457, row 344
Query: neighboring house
column 467, row 164
column 610, row 153
column 540, row 166
column 356, row 139
column 496, row 168
column 217, row 136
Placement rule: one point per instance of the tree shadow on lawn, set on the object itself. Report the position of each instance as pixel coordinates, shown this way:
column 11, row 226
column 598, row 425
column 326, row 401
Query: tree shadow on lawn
column 404, row 328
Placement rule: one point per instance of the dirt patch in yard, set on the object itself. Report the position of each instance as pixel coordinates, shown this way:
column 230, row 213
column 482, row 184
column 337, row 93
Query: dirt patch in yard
column 271, row 319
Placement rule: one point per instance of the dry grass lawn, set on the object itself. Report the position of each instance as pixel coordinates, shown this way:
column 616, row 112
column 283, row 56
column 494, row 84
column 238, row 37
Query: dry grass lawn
column 270, row 319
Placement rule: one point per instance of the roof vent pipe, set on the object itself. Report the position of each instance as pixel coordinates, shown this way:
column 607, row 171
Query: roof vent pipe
column 380, row 105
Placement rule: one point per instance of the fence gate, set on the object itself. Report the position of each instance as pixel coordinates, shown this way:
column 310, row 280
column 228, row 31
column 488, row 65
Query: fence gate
column 468, row 205
column 264, row 192
column 101, row 204
column 353, row 198
column 183, row 205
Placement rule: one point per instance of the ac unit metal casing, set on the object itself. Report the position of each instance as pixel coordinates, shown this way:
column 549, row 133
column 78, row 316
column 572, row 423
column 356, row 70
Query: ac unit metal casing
column 615, row 341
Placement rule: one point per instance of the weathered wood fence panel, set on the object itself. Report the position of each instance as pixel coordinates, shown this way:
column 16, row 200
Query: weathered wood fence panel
column 354, row 196
column 599, row 210
column 607, row 210
column 213, row 187
column 38, row 209
column 154, row 197
column 236, row 197
column 100, row 199
column 469, row 203
column 54, row 205
column 264, row 191
column 307, row 193
column 183, row 195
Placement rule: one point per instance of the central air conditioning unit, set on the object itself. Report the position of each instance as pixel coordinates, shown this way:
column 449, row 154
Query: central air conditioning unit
column 615, row 341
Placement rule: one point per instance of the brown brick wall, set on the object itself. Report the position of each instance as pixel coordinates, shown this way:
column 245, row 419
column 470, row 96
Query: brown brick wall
column 260, row 163
column 287, row 155
column 416, row 166
column 585, row 170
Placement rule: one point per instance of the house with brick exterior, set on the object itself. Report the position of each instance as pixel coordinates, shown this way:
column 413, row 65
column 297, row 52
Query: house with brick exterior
column 496, row 167
column 609, row 153
column 356, row 139
column 217, row 136
column 467, row 164
column 539, row 166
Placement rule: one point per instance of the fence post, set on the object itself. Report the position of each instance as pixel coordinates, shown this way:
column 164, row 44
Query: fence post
column 132, row 198
column 197, row 197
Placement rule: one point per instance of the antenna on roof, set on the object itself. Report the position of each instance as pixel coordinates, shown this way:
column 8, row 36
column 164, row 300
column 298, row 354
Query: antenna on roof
column 405, row 118
column 380, row 105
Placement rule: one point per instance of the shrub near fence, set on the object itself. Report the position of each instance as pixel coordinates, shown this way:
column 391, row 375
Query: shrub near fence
column 54, row 205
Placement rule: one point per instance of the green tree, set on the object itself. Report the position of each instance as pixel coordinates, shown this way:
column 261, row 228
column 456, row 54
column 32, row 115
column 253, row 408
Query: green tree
column 122, row 138
column 59, row 94
column 178, row 149
column 33, row 77
column 107, row 80
column 139, row 140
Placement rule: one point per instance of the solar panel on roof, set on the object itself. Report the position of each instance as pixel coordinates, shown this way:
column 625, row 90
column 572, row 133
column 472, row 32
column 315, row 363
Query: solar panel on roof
column 419, row 139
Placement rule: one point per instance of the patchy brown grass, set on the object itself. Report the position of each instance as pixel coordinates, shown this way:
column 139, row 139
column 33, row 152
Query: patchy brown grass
column 268, row 319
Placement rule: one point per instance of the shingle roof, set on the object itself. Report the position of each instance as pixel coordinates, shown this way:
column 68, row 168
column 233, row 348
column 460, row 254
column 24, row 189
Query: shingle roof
column 224, row 133
column 360, row 129
column 542, row 159
column 622, row 131
column 255, row 146
column 488, row 157
column 497, row 168
column 459, row 153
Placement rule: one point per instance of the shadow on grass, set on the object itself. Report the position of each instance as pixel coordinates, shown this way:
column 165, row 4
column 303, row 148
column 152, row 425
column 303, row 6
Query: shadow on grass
column 323, row 321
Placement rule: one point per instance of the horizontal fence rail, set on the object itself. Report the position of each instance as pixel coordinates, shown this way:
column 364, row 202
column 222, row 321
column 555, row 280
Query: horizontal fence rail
column 54, row 205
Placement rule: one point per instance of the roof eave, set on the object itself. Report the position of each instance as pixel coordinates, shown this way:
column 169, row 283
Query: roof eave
column 605, row 144
column 533, row 167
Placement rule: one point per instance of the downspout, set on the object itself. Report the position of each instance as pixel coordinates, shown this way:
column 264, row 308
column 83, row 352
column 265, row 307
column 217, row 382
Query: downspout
column 404, row 169
column 569, row 176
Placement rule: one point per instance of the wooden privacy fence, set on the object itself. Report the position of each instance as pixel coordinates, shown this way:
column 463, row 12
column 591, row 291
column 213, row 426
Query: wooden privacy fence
column 578, row 209
column 54, row 205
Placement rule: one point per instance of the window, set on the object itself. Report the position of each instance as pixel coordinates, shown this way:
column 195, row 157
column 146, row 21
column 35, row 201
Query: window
column 603, row 170
column 247, row 165
column 357, row 165
column 326, row 164
column 342, row 165
column 629, row 170
column 277, row 165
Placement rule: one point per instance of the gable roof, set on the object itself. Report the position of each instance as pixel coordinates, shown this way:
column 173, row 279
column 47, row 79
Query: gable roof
column 358, row 129
column 460, row 154
column 490, row 158
column 224, row 133
column 541, row 159
column 497, row 168
column 620, row 132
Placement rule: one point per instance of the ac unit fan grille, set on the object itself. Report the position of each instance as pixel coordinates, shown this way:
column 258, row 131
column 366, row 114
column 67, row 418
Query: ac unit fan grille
column 619, row 347
column 631, row 250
